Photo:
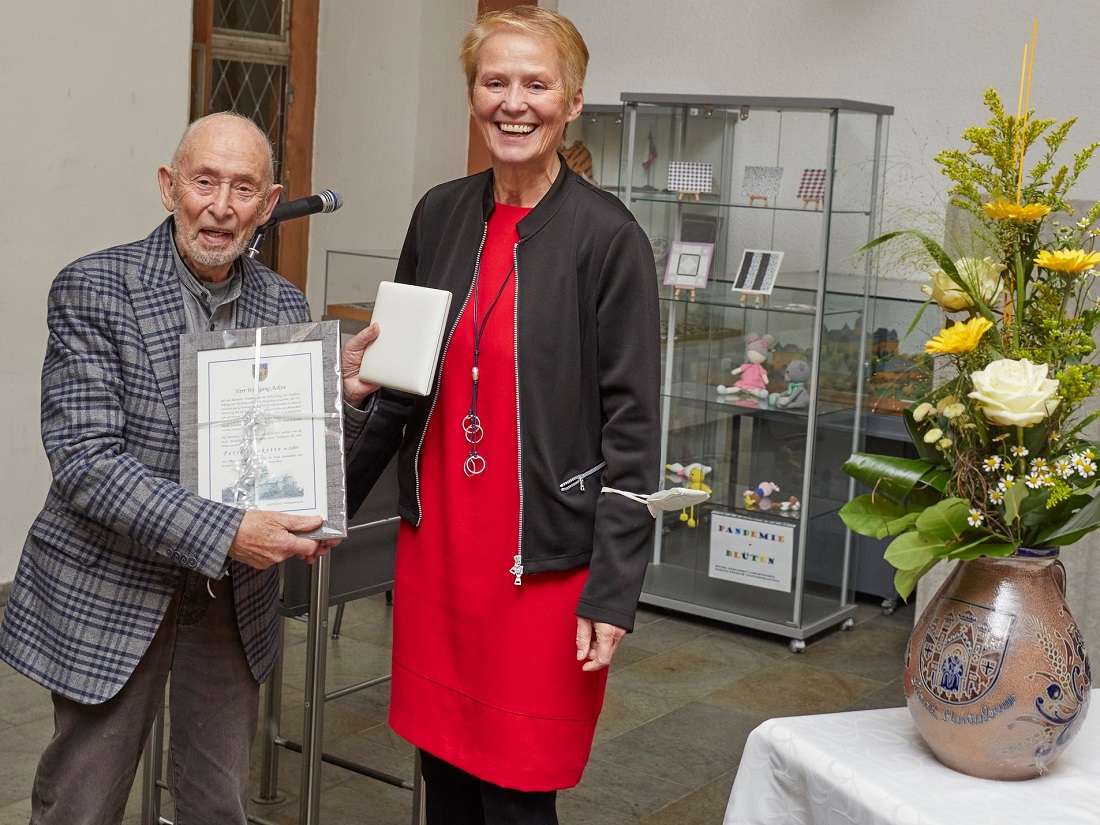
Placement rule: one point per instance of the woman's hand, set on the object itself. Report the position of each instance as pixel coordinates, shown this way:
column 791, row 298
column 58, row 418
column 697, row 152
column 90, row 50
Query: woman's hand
column 356, row 389
column 596, row 642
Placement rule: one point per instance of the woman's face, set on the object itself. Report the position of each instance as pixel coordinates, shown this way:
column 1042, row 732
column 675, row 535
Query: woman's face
column 518, row 100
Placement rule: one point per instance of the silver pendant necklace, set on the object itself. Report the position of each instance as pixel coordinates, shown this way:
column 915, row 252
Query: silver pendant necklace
column 471, row 424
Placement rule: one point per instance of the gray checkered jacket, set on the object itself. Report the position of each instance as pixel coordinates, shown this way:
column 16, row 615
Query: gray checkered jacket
column 103, row 557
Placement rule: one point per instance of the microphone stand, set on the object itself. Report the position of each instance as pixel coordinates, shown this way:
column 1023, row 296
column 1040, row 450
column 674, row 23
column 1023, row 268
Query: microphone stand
column 258, row 238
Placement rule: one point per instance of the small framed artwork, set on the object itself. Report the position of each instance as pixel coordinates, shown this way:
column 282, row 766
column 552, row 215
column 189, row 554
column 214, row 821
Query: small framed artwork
column 695, row 228
column 811, row 189
column 688, row 265
column 761, row 183
column 685, row 177
column 757, row 273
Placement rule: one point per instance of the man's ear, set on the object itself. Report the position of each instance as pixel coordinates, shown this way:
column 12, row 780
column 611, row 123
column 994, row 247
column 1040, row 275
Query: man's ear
column 270, row 201
column 164, row 180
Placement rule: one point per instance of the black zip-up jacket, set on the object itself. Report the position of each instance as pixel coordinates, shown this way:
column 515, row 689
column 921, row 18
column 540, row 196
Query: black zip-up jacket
column 588, row 355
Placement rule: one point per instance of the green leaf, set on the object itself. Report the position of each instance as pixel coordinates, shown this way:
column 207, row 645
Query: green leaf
column 937, row 253
column 913, row 550
column 945, row 521
column 891, row 476
column 1014, row 495
column 987, row 545
column 1083, row 522
column 905, row 581
column 926, row 451
column 877, row 517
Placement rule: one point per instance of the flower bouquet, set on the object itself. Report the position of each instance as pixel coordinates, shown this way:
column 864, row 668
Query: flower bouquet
column 1003, row 459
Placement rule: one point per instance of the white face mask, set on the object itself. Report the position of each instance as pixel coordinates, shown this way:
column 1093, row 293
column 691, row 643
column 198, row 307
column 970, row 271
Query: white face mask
column 674, row 498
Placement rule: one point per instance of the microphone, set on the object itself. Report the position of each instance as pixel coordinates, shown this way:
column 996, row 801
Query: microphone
column 324, row 201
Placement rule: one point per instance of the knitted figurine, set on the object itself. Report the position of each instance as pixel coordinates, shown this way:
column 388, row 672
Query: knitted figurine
column 696, row 474
column 761, row 496
column 796, row 396
column 752, row 375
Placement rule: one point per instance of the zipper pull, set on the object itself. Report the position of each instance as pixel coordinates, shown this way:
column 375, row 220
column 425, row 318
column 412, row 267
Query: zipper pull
column 582, row 484
column 517, row 568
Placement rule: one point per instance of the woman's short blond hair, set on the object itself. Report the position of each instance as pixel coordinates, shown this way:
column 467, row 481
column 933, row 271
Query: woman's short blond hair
column 541, row 24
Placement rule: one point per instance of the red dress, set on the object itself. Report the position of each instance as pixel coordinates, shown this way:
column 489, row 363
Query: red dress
column 485, row 672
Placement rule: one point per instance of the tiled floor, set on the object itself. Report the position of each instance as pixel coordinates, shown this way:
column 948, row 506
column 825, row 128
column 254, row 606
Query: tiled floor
column 682, row 697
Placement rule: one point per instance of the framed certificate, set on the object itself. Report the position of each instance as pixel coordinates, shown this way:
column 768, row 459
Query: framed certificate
column 261, row 423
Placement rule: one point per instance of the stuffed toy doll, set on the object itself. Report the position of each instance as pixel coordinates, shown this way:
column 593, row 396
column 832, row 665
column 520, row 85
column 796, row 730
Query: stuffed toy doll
column 796, row 396
column 752, row 376
column 695, row 474
column 761, row 496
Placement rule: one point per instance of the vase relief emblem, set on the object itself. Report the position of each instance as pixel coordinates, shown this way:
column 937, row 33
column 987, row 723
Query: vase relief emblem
column 962, row 652
column 1068, row 679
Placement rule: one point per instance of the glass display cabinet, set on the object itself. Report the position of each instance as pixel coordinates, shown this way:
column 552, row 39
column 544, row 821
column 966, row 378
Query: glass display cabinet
column 351, row 284
column 755, row 208
column 592, row 144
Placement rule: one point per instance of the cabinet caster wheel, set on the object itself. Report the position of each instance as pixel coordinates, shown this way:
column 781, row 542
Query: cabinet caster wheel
column 797, row 645
column 889, row 606
column 847, row 624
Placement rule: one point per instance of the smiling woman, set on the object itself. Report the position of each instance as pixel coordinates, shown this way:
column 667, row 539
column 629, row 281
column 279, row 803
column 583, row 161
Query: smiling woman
column 515, row 578
column 521, row 105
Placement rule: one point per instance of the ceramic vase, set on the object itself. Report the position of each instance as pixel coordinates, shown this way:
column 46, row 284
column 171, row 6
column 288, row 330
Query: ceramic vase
column 996, row 675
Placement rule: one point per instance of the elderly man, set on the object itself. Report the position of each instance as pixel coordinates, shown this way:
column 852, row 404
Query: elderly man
column 125, row 576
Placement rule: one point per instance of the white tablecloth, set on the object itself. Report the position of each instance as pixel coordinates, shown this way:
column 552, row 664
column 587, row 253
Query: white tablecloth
column 872, row 768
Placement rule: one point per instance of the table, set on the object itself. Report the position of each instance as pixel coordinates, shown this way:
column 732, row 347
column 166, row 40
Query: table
column 872, row 768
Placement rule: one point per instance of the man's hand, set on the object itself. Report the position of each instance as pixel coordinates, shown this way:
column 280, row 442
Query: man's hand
column 596, row 642
column 355, row 389
column 265, row 538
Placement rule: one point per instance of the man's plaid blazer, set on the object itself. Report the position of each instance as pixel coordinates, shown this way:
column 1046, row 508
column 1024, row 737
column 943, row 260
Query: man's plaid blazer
column 103, row 557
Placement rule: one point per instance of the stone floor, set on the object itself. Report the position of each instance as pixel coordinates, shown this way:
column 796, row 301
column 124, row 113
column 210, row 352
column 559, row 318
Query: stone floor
column 683, row 696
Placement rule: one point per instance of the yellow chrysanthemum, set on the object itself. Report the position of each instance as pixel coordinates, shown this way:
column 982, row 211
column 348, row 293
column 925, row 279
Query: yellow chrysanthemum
column 960, row 337
column 1003, row 210
column 1067, row 260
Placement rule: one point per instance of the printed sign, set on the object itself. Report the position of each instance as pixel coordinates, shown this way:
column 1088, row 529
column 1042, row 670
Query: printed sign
column 751, row 551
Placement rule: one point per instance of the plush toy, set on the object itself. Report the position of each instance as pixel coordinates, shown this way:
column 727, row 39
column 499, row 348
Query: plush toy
column 791, row 504
column 676, row 470
column 761, row 496
column 752, row 375
column 796, row 395
column 695, row 474
column 682, row 472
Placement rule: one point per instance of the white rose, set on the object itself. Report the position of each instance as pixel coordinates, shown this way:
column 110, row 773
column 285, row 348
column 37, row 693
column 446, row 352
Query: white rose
column 1015, row 393
column 981, row 275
